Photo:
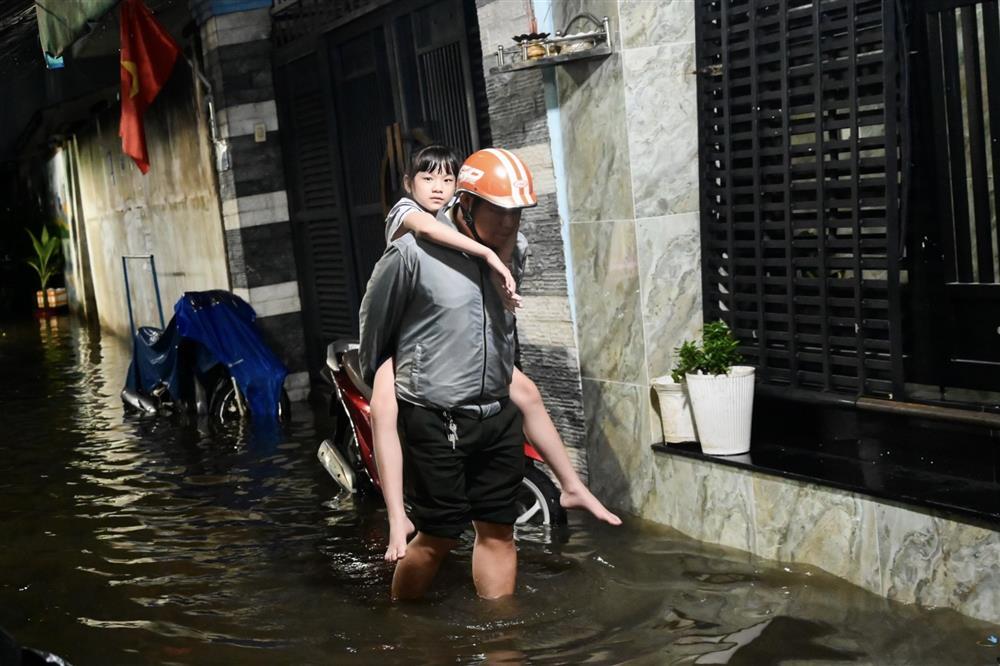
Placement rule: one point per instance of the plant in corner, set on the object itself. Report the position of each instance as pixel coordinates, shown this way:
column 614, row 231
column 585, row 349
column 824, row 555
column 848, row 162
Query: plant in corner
column 721, row 390
column 716, row 355
column 46, row 258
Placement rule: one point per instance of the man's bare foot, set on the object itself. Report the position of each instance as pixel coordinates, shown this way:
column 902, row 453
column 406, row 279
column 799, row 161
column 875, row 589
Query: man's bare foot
column 580, row 497
column 398, row 532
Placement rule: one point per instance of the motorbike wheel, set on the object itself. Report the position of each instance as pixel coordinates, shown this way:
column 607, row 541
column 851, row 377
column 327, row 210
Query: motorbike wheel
column 224, row 407
column 538, row 500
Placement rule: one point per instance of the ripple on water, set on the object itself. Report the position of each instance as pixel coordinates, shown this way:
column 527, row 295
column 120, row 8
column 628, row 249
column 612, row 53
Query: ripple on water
column 173, row 540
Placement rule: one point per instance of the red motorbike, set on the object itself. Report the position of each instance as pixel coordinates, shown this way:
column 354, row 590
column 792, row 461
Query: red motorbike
column 349, row 456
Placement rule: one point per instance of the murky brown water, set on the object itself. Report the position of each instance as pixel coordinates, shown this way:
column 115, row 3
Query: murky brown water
column 155, row 541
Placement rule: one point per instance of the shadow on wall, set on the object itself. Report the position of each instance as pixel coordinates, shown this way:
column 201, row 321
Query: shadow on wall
column 618, row 453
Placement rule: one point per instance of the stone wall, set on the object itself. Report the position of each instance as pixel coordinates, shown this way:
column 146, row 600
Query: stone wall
column 518, row 122
column 904, row 554
column 630, row 142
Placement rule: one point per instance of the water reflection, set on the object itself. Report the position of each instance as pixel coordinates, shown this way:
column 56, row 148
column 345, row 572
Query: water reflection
column 175, row 540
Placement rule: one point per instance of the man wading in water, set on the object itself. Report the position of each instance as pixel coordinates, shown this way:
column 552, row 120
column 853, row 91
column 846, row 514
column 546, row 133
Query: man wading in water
column 435, row 311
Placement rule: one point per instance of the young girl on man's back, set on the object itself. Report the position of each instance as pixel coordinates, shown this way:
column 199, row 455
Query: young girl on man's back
column 430, row 183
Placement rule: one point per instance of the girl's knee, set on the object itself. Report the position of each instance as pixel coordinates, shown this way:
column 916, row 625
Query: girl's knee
column 525, row 393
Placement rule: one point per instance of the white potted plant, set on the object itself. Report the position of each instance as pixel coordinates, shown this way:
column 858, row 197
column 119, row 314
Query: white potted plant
column 675, row 409
column 721, row 391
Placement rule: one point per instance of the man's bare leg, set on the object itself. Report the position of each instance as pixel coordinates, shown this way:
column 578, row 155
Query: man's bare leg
column 494, row 560
column 415, row 573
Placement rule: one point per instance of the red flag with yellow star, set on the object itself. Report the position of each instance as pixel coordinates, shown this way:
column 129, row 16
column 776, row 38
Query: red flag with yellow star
column 148, row 56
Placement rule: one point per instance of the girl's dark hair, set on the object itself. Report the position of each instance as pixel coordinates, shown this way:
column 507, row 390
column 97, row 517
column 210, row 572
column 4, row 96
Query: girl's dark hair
column 432, row 158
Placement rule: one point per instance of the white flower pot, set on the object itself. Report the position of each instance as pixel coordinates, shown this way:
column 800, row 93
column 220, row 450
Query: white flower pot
column 675, row 411
column 723, row 410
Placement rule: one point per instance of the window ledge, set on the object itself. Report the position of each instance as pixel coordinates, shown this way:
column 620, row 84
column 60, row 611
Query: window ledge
column 854, row 471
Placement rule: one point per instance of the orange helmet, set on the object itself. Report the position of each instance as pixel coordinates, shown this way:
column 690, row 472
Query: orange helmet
column 500, row 177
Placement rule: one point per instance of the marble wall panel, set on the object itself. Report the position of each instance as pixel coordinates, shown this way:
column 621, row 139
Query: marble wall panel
column 661, row 103
column 595, row 140
column 655, row 22
column 618, row 455
column 705, row 501
column 608, row 314
column 498, row 22
column 933, row 561
column 891, row 550
column 824, row 527
column 567, row 9
column 670, row 276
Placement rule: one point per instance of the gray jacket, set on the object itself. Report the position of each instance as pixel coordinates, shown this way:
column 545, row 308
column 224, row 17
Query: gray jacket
column 435, row 310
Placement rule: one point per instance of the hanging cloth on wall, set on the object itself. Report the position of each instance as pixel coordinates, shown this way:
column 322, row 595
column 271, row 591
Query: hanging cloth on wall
column 148, row 56
column 60, row 22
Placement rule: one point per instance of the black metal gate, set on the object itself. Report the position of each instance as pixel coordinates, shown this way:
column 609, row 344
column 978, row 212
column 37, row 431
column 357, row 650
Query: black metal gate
column 799, row 133
column 361, row 83
column 315, row 202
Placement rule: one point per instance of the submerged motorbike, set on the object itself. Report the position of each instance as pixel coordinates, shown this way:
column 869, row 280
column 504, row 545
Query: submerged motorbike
column 208, row 359
column 349, row 456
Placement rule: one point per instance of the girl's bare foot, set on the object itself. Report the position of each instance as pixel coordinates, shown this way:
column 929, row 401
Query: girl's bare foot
column 399, row 530
column 580, row 497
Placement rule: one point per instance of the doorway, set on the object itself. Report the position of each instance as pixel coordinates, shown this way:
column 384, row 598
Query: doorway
column 955, row 202
column 355, row 103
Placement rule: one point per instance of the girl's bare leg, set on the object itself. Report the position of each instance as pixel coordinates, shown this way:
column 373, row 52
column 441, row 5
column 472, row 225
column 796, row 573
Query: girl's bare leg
column 389, row 458
column 542, row 433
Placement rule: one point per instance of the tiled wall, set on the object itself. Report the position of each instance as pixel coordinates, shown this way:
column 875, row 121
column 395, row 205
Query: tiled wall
column 258, row 234
column 891, row 550
column 630, row 139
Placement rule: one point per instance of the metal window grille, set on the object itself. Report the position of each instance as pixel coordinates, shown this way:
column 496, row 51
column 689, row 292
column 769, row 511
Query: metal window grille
column 799, row 161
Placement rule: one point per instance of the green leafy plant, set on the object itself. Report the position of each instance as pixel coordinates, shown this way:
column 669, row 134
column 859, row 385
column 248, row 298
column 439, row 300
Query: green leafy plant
column 46, row 255
column 716, row 354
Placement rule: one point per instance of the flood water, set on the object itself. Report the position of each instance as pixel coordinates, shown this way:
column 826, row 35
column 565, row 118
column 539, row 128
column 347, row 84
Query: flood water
column 131, row 540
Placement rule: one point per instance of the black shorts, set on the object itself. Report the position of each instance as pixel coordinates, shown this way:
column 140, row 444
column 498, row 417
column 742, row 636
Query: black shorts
column 478, row 479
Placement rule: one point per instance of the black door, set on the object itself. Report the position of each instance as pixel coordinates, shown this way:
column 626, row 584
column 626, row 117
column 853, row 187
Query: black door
column 315, row 204
column 364, row 97
column 955, row 201
column 354, row 102
column 401, row 79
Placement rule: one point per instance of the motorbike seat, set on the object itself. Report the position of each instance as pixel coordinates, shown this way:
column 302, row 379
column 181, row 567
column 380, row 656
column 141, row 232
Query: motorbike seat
column 352, row 364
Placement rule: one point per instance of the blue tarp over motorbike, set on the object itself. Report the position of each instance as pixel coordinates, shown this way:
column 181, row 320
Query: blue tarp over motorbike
column 208, row 327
